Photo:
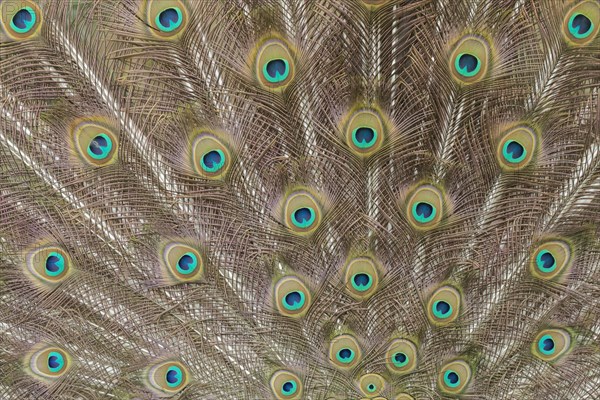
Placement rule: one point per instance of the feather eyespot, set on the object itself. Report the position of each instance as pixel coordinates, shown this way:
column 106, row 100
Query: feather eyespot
column 182, row 263
column 167, row 18
column 168, row 378
column 364, row 132
column 516, row 148
column 174, row 376
column 551, row 344
column 49, row 265
column 401, row 356
column 361, row 278
column 581, row 23
column 454, row 377
column 95, row 143
column 292, row 298
column 371, row 384
column 100, row 147
column 210, row 157
column 276, row 70
column 344, row 351
column 50, row 363
column 550, row 259
column 580, row 26
column 21, row 19
column 302, row 213
column 425, row 207
column 470, row 58
column 467, row 65
column 444, row 305
column 286, row 385
column 274, row 64
column 55, row 264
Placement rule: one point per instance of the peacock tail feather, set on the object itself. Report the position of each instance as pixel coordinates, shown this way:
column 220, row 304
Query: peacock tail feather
column 290, row 199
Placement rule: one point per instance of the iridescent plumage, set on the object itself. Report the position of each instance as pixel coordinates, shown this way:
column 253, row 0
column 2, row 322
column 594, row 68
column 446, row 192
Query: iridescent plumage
column 299, row 199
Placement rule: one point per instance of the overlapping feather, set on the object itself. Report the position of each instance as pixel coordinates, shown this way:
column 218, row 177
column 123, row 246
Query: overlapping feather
column 117, row 316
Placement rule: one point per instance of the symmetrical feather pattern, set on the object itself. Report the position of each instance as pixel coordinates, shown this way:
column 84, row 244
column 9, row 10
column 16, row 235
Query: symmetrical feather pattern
column 289, row 199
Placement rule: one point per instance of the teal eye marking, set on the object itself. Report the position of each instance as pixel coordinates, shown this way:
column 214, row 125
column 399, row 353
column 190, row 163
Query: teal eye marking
column 294, row 300
column 345, row 355
column 361, row 281
column 100, row 147
column 580, row 26
column 442, row 309
column 371, row 388
column 467, row 65
column 513, row 151
column 364, row 137
column 304, row 217
column 23, row 20
column 55, row 264
column 276, row 70
column 423, row 212
column 174, row 376
column 56, row 362
column 451, row 379
column 289, row 388
column 400, row 359
column 169, row 19
column 545, row 261
column 187, row 264
column 546, row 345
column 213, row 161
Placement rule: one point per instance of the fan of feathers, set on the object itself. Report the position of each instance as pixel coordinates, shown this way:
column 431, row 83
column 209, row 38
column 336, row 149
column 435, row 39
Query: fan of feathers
column 299, row 199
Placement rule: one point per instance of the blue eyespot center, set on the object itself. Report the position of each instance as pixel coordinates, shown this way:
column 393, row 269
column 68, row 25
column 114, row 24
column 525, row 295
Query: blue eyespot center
column 294, row 300
column 100, row 147
column 423, row 212
column 276, row 70
column 174, row 376
column 442, row 309
column 546, row 345
column 55, row 264
column 97, row 144
column 580, row 26
column 23, row 20
column 364, row 137
column 51, row 264
column 546, row 261
column 169, row 19
column 213, row 160
column 451, row 378
column 289, row 388
column 371, row 388
column 514, row 151
column 55, row 361
column 345, row 355
column 400, row 359
column 303, row 217
column 187, row 263
column 362, row 281
column 467, row 64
